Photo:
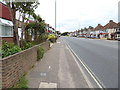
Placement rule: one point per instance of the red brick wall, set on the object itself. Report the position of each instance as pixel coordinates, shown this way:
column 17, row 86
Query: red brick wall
column 13, row 67
column 8, row 39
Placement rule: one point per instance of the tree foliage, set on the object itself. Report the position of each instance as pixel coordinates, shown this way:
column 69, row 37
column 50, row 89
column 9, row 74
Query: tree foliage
column 65, row 34
column 37, row 27
column 26, row 9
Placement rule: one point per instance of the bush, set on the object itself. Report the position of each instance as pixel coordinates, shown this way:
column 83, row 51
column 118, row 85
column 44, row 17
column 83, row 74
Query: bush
column 9, row 49
column 44, row 37
column 26, row 45
column 40, row 53
column 22, row 83
column 41, row 38
column 51, row 36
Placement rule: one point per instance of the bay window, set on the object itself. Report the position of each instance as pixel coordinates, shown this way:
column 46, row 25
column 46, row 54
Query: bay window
column 6, row 31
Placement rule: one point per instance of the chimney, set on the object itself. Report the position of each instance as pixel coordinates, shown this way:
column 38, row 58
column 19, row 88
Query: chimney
column 111, row 21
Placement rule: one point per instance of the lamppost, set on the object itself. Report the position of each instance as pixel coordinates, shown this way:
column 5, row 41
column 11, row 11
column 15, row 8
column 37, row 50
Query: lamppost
column 55, row 17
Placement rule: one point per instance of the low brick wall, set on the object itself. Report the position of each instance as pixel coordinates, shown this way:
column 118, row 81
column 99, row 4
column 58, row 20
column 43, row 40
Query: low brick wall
column 8, row 39
column 14, row 66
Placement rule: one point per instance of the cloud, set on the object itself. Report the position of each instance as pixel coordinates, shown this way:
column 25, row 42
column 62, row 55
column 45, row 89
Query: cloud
column 75, row 14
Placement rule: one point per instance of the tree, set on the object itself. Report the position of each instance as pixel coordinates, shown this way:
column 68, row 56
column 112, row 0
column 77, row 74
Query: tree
column 65, row 34
column 90, row 27
column 13, row 8
column 37, row 27
column 24, row 8
column 58, row 32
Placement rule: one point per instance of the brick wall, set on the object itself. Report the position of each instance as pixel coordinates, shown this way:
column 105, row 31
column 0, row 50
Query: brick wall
column 8, row 39
column 14, row 66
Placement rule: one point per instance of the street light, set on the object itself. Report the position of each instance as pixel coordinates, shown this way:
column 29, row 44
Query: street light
column 55, row 16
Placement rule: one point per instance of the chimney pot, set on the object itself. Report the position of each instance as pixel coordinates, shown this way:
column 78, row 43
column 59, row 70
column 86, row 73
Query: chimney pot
column 111, row 20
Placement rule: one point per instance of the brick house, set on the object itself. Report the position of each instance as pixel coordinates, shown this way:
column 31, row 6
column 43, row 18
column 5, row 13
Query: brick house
column 117, row 33
column 111, row 28
column 100, row 32
column 6, row 25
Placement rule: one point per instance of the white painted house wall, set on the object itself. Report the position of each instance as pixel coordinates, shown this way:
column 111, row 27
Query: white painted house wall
column 110, row 31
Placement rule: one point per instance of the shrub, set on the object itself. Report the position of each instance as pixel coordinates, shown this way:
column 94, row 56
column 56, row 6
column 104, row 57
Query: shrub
column 51, row 36
column 44, row 37
column 40, row 53
column 9, row 49
column 41, row 38
column 22, row 83
column 26, row 45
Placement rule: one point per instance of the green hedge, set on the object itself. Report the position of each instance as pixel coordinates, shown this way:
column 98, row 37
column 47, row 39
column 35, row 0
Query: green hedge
column 40, row 53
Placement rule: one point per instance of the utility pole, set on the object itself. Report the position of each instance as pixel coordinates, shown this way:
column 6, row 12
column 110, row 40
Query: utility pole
column 55, row 16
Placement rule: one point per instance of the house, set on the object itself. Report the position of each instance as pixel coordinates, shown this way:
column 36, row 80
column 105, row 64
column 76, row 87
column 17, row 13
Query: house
column 19, row 24
column 111, row 28
column 90, row 32
column 84, row 33
column 117, row 33
column 77, row 33
column 51, row 30
column 81, row 32
column 93, row 33
column 6, row 24
column 100, row 32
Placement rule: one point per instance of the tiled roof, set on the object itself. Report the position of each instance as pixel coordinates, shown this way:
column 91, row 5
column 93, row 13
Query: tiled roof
column 119, row 25
column 85, row 29
column 111, row 25
column 99, row 27
column 5, row 12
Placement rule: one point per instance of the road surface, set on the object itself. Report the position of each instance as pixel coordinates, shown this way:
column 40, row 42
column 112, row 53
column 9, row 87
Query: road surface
column 101, row 56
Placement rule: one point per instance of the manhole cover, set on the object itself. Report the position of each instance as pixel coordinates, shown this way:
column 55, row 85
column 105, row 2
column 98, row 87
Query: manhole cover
column 47, row 85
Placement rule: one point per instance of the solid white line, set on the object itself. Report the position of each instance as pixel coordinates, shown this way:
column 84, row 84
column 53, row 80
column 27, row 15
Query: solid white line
column 88, row 70
column 84, row 75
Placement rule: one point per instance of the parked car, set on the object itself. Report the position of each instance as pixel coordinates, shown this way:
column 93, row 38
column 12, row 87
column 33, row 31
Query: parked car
column 93, row 36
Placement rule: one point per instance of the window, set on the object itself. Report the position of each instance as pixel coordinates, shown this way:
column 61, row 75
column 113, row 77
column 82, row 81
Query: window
column 6, row 31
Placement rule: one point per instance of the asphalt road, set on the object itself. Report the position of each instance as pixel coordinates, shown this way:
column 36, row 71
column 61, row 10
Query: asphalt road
column 101, row 56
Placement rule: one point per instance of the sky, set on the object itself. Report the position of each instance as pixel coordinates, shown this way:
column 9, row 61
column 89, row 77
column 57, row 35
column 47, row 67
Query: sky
column 76, row 14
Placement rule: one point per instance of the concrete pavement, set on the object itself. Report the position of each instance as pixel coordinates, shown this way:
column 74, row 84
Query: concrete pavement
column 57, row 69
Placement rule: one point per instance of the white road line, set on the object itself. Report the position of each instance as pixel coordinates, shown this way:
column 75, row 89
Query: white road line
column 84, row 75
column 88, row 70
